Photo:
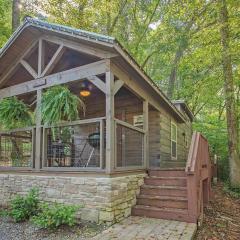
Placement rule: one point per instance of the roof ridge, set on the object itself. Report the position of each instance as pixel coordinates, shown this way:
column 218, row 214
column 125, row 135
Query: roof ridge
column 65, row 28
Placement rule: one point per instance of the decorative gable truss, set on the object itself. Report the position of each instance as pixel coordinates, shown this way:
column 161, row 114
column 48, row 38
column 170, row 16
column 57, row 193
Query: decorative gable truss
column 40, row 67
column 44, row 63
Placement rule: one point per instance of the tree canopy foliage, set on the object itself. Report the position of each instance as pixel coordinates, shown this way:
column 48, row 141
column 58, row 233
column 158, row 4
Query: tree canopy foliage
column 177, row 43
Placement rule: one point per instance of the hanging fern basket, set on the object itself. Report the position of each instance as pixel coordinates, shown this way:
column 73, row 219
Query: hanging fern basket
column 59, row 104
column 14, row 113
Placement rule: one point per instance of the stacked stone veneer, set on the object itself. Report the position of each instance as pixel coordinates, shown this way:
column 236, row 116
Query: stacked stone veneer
column 104, row 199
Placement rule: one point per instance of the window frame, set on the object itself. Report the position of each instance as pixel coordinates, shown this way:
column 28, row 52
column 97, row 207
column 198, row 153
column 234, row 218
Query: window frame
column 171, row 139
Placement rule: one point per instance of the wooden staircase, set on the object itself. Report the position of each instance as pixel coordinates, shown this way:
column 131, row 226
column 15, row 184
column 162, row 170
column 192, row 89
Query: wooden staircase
column 163, row 195
column 178, row 193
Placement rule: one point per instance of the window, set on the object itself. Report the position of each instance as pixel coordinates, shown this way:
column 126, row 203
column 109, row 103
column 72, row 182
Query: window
column 173, row 140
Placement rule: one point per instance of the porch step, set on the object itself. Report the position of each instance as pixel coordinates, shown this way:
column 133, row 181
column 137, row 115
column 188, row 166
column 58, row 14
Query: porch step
column 162, row 213
column 162, row 201
column 168, row 172
column 163, row 190
column 172, row 164
column 166, row 181
column 164, row 195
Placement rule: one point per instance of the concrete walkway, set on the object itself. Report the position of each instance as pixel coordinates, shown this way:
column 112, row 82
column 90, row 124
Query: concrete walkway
column 140, row 228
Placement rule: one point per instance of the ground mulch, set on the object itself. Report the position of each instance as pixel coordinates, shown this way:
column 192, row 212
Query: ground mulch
column 221, row 217
column 10, row 230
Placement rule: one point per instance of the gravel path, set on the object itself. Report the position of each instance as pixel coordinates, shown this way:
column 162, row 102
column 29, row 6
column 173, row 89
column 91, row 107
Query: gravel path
column 26, row 231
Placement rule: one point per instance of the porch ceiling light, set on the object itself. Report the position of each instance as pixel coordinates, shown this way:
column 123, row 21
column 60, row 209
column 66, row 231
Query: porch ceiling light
column 85, row 90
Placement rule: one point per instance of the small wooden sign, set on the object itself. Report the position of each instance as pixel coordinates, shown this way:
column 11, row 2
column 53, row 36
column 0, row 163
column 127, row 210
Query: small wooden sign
column 40, row 82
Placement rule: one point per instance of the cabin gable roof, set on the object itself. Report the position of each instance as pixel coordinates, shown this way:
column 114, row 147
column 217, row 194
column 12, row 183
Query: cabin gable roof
column 32, row 29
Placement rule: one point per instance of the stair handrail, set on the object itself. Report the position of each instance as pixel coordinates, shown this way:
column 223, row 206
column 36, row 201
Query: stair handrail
column 198, row 168
column 192, row 155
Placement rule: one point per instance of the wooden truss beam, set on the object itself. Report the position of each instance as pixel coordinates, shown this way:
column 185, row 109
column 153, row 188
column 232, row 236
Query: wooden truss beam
column 81, row 47
column 40, row 57
column 29, row 68
column 71, row 75
column 97, row 82
column 117, row 85
column 138, row 90
column 17, row 62
column 54, row 60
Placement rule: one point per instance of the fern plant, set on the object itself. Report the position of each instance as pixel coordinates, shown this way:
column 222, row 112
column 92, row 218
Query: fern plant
column 59, row 104
column 14, row 113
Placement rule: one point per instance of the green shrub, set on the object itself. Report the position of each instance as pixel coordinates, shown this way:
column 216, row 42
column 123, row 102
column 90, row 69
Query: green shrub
column 23, row 207
column 233, row 191
column 3, row 213
column 54, row 215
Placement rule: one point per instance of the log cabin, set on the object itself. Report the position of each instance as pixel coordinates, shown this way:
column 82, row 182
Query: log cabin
column 132, row 152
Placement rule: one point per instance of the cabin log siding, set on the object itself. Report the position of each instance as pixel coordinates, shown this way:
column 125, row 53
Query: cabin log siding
column 154, row 138
column 160, row 138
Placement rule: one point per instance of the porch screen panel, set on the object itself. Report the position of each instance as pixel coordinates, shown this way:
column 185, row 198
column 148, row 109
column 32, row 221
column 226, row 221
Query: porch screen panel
column 16, row 149
column 130, row 147
column 73, row 146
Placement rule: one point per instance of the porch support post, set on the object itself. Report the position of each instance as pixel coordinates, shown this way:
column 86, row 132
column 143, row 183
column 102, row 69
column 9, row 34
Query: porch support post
column 38, row 143
column 40, row 57
column 146, row 135
column 110, row 125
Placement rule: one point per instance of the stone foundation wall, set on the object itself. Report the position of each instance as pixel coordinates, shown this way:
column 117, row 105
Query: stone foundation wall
column 104, row 199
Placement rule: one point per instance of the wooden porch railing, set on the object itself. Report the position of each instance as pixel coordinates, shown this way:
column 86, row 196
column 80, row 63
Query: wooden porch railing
column 198, row 171
column 79, row 146
column 17, row 149
column 129, row 146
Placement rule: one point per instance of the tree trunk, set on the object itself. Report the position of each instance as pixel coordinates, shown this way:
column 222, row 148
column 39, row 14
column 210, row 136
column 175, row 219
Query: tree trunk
column 178, row 55
column 15, row 14
column 234, row 158
column 173, row 74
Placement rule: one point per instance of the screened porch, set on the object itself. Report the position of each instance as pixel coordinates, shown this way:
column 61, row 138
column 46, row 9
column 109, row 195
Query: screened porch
column 79, row 145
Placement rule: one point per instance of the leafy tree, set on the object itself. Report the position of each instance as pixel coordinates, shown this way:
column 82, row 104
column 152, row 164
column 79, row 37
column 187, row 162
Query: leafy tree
column 232, row 127
column 5, row 21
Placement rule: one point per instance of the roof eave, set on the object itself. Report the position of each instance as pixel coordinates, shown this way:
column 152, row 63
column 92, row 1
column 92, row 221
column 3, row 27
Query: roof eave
column 16, row 33
column 120, row 49
column 186, row 107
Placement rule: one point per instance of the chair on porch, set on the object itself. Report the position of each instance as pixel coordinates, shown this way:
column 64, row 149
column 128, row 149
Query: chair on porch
column 77, row 153
column 85, row 151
